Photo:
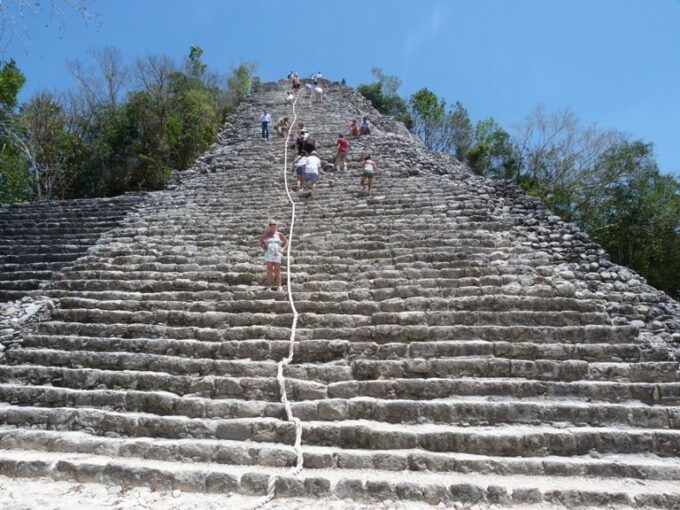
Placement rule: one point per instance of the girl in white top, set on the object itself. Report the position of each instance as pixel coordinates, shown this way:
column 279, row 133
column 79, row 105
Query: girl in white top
column 273, row 243
column 367, row 173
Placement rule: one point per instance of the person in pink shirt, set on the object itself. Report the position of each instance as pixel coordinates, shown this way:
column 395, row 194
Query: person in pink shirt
column 343, row 149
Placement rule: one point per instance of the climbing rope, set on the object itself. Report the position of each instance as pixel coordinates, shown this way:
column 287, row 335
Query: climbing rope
column 294, row 471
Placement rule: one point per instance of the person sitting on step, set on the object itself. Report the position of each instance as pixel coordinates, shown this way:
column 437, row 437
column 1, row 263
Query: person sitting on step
column 367, row 173
column 290, row 98
column 311, row 174
column 341, row 156
column 354, row 128
column 281, row 127
column 365, row 127
column 273, row 243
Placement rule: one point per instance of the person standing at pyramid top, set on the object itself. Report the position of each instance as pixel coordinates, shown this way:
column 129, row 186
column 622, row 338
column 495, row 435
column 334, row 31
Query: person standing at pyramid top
column 265, row 119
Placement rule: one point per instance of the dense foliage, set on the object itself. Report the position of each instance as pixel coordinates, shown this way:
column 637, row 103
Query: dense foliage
column 606, row 182
column 121, row 129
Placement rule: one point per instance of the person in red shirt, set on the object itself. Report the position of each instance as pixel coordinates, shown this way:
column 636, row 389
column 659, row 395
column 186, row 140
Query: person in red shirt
column 343, row 148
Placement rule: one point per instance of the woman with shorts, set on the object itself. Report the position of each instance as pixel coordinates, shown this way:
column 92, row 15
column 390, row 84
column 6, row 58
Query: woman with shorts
column 299, row 168
column 370, row 167
column 273, row 243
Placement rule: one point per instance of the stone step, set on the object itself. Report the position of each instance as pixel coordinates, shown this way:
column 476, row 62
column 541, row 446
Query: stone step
column 360, row 484
column 347, row 316
column 62, row 226
column 377, row 334
column 390, row 299
column 248, row 388
column 6, row 276
column 544, row 370
column 30, row 258
column 240, row 453
column 175, row 365
column 512, row 441
column 21, row 285
column 304, row 303
column 34, row 245
column 263, row 387
column 15, row 295
column 462, row 411
column 51, row 267
column 220, row 320
column 427, row 389
column 331, row 350
column 359, row 369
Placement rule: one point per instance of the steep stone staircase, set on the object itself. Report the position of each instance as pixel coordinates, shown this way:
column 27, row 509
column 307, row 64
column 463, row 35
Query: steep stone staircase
column 40, row 238
column 456, row 341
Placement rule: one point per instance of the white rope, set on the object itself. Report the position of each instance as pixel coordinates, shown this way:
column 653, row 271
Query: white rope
column 294, row 471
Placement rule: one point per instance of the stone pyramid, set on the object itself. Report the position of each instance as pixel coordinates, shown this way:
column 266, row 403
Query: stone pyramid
column 456, row 342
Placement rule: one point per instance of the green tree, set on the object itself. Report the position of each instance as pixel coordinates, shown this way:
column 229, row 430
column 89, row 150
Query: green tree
column 382, row 94
column 459, row 127
column 493, row 153
column 635, row 214
column 195, row 67
column 192, row 125
column 15, row 157
column 239, row 84
column 44, row 123
column 441, row 130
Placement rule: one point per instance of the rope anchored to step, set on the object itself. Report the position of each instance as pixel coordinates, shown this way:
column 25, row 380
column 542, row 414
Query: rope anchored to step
column 294, row 471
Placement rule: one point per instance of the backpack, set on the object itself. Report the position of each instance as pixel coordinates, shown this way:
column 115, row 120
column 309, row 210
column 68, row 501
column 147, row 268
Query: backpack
column 309, row 145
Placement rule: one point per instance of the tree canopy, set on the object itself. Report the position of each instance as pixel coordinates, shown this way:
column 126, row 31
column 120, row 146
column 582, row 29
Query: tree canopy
column 105, row 137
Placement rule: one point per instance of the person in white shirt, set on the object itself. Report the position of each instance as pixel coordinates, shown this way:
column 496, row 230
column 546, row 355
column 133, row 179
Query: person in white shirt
column 365, row 127
column 265, row 119
column 312, row 167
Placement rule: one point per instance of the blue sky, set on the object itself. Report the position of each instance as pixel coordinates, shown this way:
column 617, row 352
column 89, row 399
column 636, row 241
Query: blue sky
column 614, row 62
